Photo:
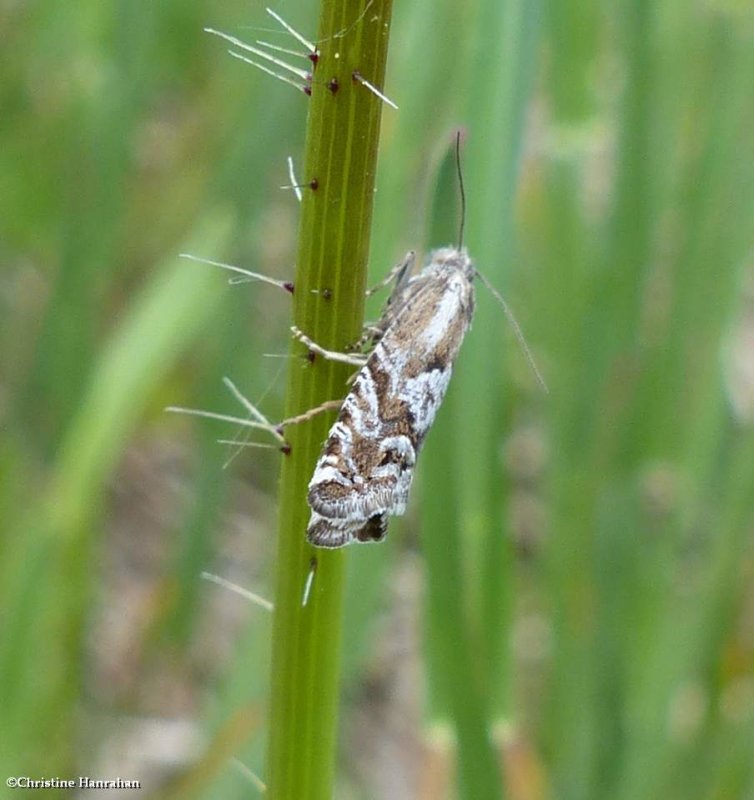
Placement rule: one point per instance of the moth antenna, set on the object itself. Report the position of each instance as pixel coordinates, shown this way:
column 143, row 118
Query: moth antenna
column 309, row 582
column 359, row 78
column 461, row 190
column 254, row 779
column 519, row 334
column 296, row 35
column 248, row 274
column 234, row 587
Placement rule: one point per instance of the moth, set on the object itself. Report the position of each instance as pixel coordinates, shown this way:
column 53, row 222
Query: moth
column 364, row 472
column 365, row 469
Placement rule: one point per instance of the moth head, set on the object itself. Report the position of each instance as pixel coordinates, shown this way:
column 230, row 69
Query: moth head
column 453, row 258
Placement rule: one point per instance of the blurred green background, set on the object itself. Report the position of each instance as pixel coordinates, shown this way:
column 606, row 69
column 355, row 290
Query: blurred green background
column 573, row 583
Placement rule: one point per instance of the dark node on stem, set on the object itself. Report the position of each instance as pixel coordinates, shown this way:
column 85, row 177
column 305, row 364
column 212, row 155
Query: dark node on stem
column 311, row 356
column 308, row 91
column 314, row 184
column 314, row 58
column 286, row 449
column 357, row 77
column 326, row 294
column 333, row 85
column 288, row 286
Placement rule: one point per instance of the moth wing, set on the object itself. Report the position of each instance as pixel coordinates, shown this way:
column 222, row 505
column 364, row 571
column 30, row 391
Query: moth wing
column 347, row 487
column 389, row 482
column 404, row 293
column 334, row 533
column 332, row 488
column 330, row 533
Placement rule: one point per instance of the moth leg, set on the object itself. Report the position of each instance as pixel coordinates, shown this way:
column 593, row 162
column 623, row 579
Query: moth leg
column 329, row 405
column 371, row 333
column 398, row 273
column 354, row 359
column 275, row 429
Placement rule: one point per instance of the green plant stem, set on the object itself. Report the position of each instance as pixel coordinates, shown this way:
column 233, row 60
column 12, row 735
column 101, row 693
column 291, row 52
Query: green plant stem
column 341, row 154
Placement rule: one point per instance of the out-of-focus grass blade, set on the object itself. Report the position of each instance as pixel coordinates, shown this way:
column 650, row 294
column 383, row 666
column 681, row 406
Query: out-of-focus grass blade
column 48, row 572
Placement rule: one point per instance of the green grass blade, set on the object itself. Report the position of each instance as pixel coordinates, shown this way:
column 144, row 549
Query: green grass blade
column 47, row 578
column 341, row 153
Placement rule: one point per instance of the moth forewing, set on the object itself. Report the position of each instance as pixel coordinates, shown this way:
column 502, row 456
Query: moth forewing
column 366, row 467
